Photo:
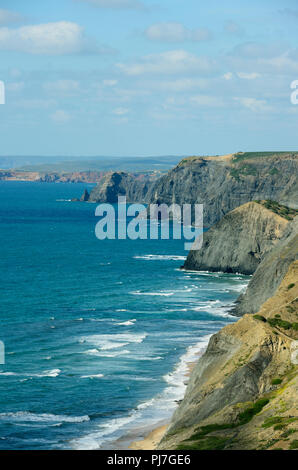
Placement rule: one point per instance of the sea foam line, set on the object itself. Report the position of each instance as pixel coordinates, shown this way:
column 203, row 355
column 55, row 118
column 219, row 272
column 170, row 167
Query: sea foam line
column 150, row 412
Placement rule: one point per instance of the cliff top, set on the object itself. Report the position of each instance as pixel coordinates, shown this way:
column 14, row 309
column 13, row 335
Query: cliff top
column 237, row 157
column 279, row 209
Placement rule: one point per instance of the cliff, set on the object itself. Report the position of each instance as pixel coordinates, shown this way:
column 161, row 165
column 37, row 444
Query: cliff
column 35, row 176
column 117, row 184
column 242, row 393
column 239, row 241
column 224, row 183
column 270, row 272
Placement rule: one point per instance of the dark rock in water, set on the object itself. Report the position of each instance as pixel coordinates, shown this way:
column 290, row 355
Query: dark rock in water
column 239, row 241
column 85, row 196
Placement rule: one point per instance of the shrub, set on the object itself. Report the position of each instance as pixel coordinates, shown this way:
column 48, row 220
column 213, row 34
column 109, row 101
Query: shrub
column 294, row 444
column 260, row 318
column 290, row 286
column 276, row 381
column 250, row 412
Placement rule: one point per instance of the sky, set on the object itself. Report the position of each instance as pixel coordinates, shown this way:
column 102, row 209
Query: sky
column 147, row 77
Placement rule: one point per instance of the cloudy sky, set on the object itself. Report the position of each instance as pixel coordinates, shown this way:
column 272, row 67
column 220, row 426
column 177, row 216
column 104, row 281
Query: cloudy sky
column 147, row 77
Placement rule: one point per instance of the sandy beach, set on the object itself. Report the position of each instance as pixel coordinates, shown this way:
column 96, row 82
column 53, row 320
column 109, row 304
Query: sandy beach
column 151, row 440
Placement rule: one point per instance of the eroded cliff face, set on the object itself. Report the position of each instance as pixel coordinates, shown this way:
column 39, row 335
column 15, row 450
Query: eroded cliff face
column 224, row 183
column 242, row 393
column 239, row 241
column 270, row 273
column 121, row 184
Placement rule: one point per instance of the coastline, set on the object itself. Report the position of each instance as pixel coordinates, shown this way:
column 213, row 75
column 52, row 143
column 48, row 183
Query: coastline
column 154, row 436
column 151, row 440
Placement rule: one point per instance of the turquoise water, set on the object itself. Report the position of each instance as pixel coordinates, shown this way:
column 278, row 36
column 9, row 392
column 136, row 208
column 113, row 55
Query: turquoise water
column 98, row 334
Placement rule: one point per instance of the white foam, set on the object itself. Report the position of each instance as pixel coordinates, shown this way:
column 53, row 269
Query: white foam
column 43, row 417
column 93, row 376
column 161, row 257
column 150, row 412
column 127, row 323
column 107, row 342
column 162, row 293
column 47, row 373
column 7, row 373
column 96, row 352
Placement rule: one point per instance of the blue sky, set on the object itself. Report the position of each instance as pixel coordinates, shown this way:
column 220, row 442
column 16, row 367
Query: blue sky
column 147, row 77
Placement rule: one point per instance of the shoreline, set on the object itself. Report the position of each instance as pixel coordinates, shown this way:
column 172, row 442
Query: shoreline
column 155, row 435
column 151, row 440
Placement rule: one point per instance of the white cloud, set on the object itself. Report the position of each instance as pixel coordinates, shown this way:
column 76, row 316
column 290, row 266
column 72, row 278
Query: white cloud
column 110, row 83
column 64, row 87
column 120, row 111
column 183, row 84
column 170, row 62
column 60, row 116
column 206, row 101
column 253, row 104
column 58, row 38
column 228, row 76
column 8, row 17
column 117, row 4
column 175, row 32
column 248, row 76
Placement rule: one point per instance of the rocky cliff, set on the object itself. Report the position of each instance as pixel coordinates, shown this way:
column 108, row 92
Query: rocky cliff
column 239, row 241
column 242, row 393
column 224, row 183
column 115, row 184
column 270, row 272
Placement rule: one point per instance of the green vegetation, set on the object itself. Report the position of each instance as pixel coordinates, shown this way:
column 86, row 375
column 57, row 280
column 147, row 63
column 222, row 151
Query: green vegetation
column 283, row 211
column 250, row 412
column 243, row 170
column 290, row 286
column 294, row 444
column 288, row 432
column 285, row 325
column 276, row 381
column 260, row 318
column 204, row 430
column 247, row 155
column 209, row 443
column 272, row 421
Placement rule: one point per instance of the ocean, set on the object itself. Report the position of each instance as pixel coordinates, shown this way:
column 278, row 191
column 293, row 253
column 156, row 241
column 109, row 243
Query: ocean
column 98, row 334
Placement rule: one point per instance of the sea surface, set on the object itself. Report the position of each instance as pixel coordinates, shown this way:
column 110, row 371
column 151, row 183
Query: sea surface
column 98, row 334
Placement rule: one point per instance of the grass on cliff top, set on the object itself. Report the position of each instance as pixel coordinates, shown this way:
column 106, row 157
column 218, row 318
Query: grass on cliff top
column 283, row 211
column 247, row 155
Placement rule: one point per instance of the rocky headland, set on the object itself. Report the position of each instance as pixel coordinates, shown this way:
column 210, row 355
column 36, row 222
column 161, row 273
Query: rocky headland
column 239, row 241
column 221, row 183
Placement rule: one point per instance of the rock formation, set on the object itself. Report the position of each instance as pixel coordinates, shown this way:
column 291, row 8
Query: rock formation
column 242, row 393
column 239, row 241
column 270, row 272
